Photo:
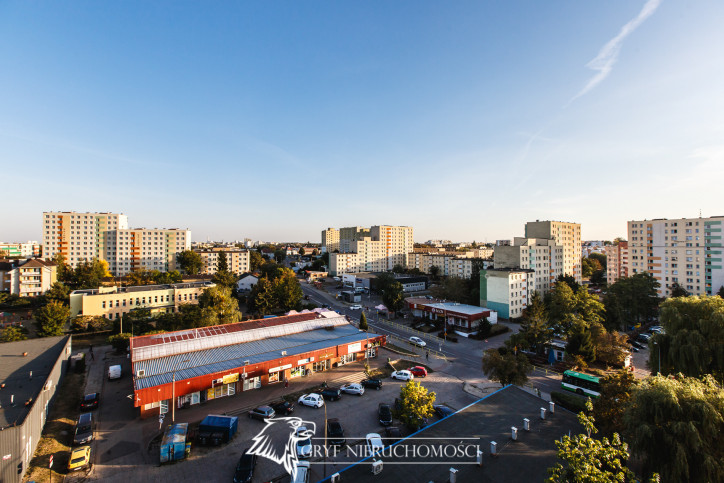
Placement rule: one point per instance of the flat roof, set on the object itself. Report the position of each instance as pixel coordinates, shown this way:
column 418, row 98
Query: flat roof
column 15, row 374
column 143, row 288
column 486, row 420
column 449, row 306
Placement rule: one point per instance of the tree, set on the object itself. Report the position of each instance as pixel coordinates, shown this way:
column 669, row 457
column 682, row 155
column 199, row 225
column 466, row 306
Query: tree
column 222, row 265
column 255, row 260
column 452, row 288
column 415, row 404
column 302, row 251
column 63, row 271
column 600, row 258
column 393, row 297
column 89, row 323
column 50, row 319
column 225, row 278
column 569, row 280
column 363, row 322
column 120, row 342
column 174, row 276
column 12, row 334
column 534, row 328
column 506, row 366
column 616, row 391
column 224, row 307
column 674, row 424
column 190, row 262
column 139, row 320
column 280, row 254
column 141, row 276
column 562, row 305
column 678, row 291
column 287, row 291
column 631, row 300
column 261, row 298
column 589, row 459
column 88, row 274
column 694, row 340
column 611, row 348
column 435, row 272
column 589, row 265
column 58, row 292
column 398, row 269
column 720, row 293
column 580, row 341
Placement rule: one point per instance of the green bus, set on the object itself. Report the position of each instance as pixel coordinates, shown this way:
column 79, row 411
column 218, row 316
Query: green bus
column 582, row 384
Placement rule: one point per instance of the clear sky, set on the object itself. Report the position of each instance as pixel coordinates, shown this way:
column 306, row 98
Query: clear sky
column 275, row 120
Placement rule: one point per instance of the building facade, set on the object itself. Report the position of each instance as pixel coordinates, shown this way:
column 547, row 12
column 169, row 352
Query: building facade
column 27, row 278
column 132, row 249
column 687, row 251
column 543, row 256
column 237, row 260
column 330, row 239
column 377, row 249
column 78, row 236
column 564, row 234
column 28, row 249
column 459, row 317
column 616, row 261
column 115, row 302
column 229, row 360
column 506, row 291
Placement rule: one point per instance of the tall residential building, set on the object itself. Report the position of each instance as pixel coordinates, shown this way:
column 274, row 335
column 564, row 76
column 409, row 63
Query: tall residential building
column 375, row 249
column 616, row 261
column 687, row 251
column 454, row 264
column 237, row 260
column 567, row 235
column 106, row 236
column 543, row 256
column 330, row 239
column 506, row 290
column 349, row 235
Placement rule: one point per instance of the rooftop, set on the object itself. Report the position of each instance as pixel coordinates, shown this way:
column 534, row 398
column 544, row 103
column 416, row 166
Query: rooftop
column 448, row 306
column 15, row 369
column 142, row 288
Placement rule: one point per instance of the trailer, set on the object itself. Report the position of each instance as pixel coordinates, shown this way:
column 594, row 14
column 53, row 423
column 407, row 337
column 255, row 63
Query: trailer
column 215, row 429
column 173, row 444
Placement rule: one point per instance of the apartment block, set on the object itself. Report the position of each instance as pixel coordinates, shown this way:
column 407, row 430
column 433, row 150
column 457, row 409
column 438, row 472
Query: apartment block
column 566, row 235
column 78, row 236
column 28, row 249
column 115, row 302
column 616, row 261
column 506, row 291
column 375, row 249
column 453, row 264
column 237, row 260
column 330, row 239
column 27, row 278
column 349, row 235
column 543, row 256
column 687, row 251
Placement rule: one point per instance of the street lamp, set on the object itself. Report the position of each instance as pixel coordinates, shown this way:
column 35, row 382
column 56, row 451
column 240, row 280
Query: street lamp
column 173, row 390
column 658, row 349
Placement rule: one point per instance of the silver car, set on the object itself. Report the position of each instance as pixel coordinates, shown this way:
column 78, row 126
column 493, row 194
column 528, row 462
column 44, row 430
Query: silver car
column 352, row 389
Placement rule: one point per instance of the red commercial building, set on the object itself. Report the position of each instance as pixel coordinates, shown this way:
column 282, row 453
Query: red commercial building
column 227, row 360
column 460, row 317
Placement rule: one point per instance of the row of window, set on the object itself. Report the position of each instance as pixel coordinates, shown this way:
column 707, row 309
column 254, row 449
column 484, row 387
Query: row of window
column 151, row 300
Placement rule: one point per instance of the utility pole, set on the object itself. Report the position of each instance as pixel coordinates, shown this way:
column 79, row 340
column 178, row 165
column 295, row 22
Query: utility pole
column 173, row 392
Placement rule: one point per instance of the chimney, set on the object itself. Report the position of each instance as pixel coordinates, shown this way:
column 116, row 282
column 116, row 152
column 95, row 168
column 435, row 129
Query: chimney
column 552, row 407
column 453, row 475
column 542, row 413
column 493, row 448
column 526, row 424
column 514, row 433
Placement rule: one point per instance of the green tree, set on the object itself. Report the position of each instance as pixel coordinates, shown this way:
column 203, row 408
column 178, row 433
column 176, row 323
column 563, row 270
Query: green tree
column 398, row 269
column 694, row 340
column 255, row 260
column 141, row 276
column 139, row 321
column 363, row 322
column 58, row 292
column 452, row 288
column 302, row 251
column 63, row 271
column 222, row 265
column 224, row 307
column 261, row 299
column 678, row 291
column 720, row 293
column 609, row 408
column 534, row 327
column 120, row 342
column 271, row 270
column 161, row 278
column 631, row 300
column 569, row 280
column 562, row 305
column 280, row 254
column 287, row 291
column 415, row 404
column 393, row 297
column 600, row 258
column 588, row 459
column 50, row 319
column 506, row 366
column 611, row 348
column 88, row 274
column 190, row 262
column 225, row 278
column 170, row 321
column 675, row 425
column 434, row 272
column 89, row 323
column 12, row 334
column 588, row 266
column 580, row 341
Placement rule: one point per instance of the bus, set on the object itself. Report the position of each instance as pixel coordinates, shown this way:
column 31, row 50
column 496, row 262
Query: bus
column 582, row 384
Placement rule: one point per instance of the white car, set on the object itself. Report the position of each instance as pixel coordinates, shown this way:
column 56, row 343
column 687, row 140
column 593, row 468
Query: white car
column 311, row 400
column 302, row 472
column 355, row 307
column 402, row 375
column 417, row 341
column 374, row 443
column 304, row 443
column 352, row 389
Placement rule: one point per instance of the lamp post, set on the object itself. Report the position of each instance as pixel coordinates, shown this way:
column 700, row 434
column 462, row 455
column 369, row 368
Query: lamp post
column 658, row 349
column 173, row 391
column 325, row 441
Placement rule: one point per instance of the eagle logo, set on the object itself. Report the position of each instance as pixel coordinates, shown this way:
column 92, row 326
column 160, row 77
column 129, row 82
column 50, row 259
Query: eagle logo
column 268, row 446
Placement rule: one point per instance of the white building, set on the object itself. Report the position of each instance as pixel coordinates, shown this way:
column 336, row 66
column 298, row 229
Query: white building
column 236, row 259
column 566, row 235
column 246, row 283
column 376, row 249
column 27, row 278
column 543, row 256
column 616, row 262
column 506, row 291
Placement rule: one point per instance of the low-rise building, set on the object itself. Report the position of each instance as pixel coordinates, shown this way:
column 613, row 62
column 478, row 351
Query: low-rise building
column 115, row 302
column 246, row 283
column 28, row 249
column 27, row 278
column 507, row 291
column 459, row 317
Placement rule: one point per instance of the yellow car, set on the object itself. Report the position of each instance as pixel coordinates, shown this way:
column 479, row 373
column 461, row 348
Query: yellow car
column 79, row 458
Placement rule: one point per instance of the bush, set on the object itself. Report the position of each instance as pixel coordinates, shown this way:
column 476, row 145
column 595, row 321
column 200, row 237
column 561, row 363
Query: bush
column 571, row 402
column 120, row 341
column 449, row 336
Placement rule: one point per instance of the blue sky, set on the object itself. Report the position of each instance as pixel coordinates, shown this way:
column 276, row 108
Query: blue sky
column 274, row 120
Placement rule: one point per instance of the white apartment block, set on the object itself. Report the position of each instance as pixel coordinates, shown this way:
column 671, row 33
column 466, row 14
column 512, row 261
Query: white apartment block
column 142, row 248
column 78, row 236
column 375, row 249
column 543, row 256
column 28, row 249
column 567, row 235
column 687, row 251
column 237, row 260
column 448, row 263
column 330, row 239
column 507, row 291
column 616, row 261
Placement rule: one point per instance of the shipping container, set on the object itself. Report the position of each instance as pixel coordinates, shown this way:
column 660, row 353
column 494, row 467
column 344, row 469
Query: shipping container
column 216, row 429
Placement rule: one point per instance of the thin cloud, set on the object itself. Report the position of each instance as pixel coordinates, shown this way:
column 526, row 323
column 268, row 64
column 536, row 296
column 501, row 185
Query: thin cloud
column 607, row 57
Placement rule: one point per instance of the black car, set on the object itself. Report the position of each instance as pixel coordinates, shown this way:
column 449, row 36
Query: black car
column 262, row 413
column 335, row 432
column 245, row 468
column 636, row 344
column 374, row 383
column 90, row 401
column 330, row 393
column 384, row 413
column 392, row 434
column 442, row 411
column 283, row 408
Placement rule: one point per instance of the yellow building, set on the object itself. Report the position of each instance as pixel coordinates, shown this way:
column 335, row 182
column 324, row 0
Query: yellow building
column 237, row 260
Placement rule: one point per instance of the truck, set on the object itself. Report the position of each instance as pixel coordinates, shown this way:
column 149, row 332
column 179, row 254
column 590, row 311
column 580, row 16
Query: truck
column 173, row 444
column 215, row 429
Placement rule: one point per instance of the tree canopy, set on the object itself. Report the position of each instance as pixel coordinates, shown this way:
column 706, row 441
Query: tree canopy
column 12, row 334
column 506, row 366
column 678, row 291
column 631, row 301
column 415, row 404
column 50, row 319
column 609, row 408
column 190, row 262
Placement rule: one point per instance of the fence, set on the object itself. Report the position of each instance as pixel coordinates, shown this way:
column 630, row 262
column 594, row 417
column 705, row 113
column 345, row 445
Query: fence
column 410, row 330
column 432, row 352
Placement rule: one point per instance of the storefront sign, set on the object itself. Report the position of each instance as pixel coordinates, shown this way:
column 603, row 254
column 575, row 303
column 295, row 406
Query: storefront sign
column 437, row 311
column 229, row 378
column 280, row 368
column 305, row 361
column 356, row 347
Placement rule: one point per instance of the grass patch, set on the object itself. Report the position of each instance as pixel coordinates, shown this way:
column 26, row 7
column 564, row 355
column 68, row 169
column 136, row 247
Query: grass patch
column 399, row 350
column 57, row 438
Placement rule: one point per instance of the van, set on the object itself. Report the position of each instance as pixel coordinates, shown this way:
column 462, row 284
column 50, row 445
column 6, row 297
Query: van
column 302, row 472
column 114, row 372
column 84, row 429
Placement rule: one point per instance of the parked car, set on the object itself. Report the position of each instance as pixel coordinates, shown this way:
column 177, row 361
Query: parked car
column 644, row 338
column 355, row 307
column 84, row 429
column 90, row 401
column 637, row 344
column 418, row 371
column 634, row 349
column 374, row 383
column 402, row 375
column 657, row 329
column 79, row 458
column 352, row 389
column 384, row 414
column 417, row 341
column 330, row 393
column 313, row 400
column 442, row 411
column 374, row 443
column 335, row 432
column 283, row 408
column 245, row 467
column 304, row 442
column 393, row 434
column 302, row 475
column 262, row 413
column 114, row 372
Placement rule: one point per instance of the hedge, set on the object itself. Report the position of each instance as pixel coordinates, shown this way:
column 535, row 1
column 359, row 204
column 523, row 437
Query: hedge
column 571, row 402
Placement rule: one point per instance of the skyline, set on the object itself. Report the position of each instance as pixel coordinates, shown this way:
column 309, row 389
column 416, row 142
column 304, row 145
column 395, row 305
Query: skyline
column 274, row 122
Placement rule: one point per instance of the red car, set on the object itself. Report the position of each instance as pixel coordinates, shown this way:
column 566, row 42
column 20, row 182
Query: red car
column 418, row 371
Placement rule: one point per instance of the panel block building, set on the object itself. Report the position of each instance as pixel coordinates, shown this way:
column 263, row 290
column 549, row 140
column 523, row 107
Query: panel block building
column 375, row 249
